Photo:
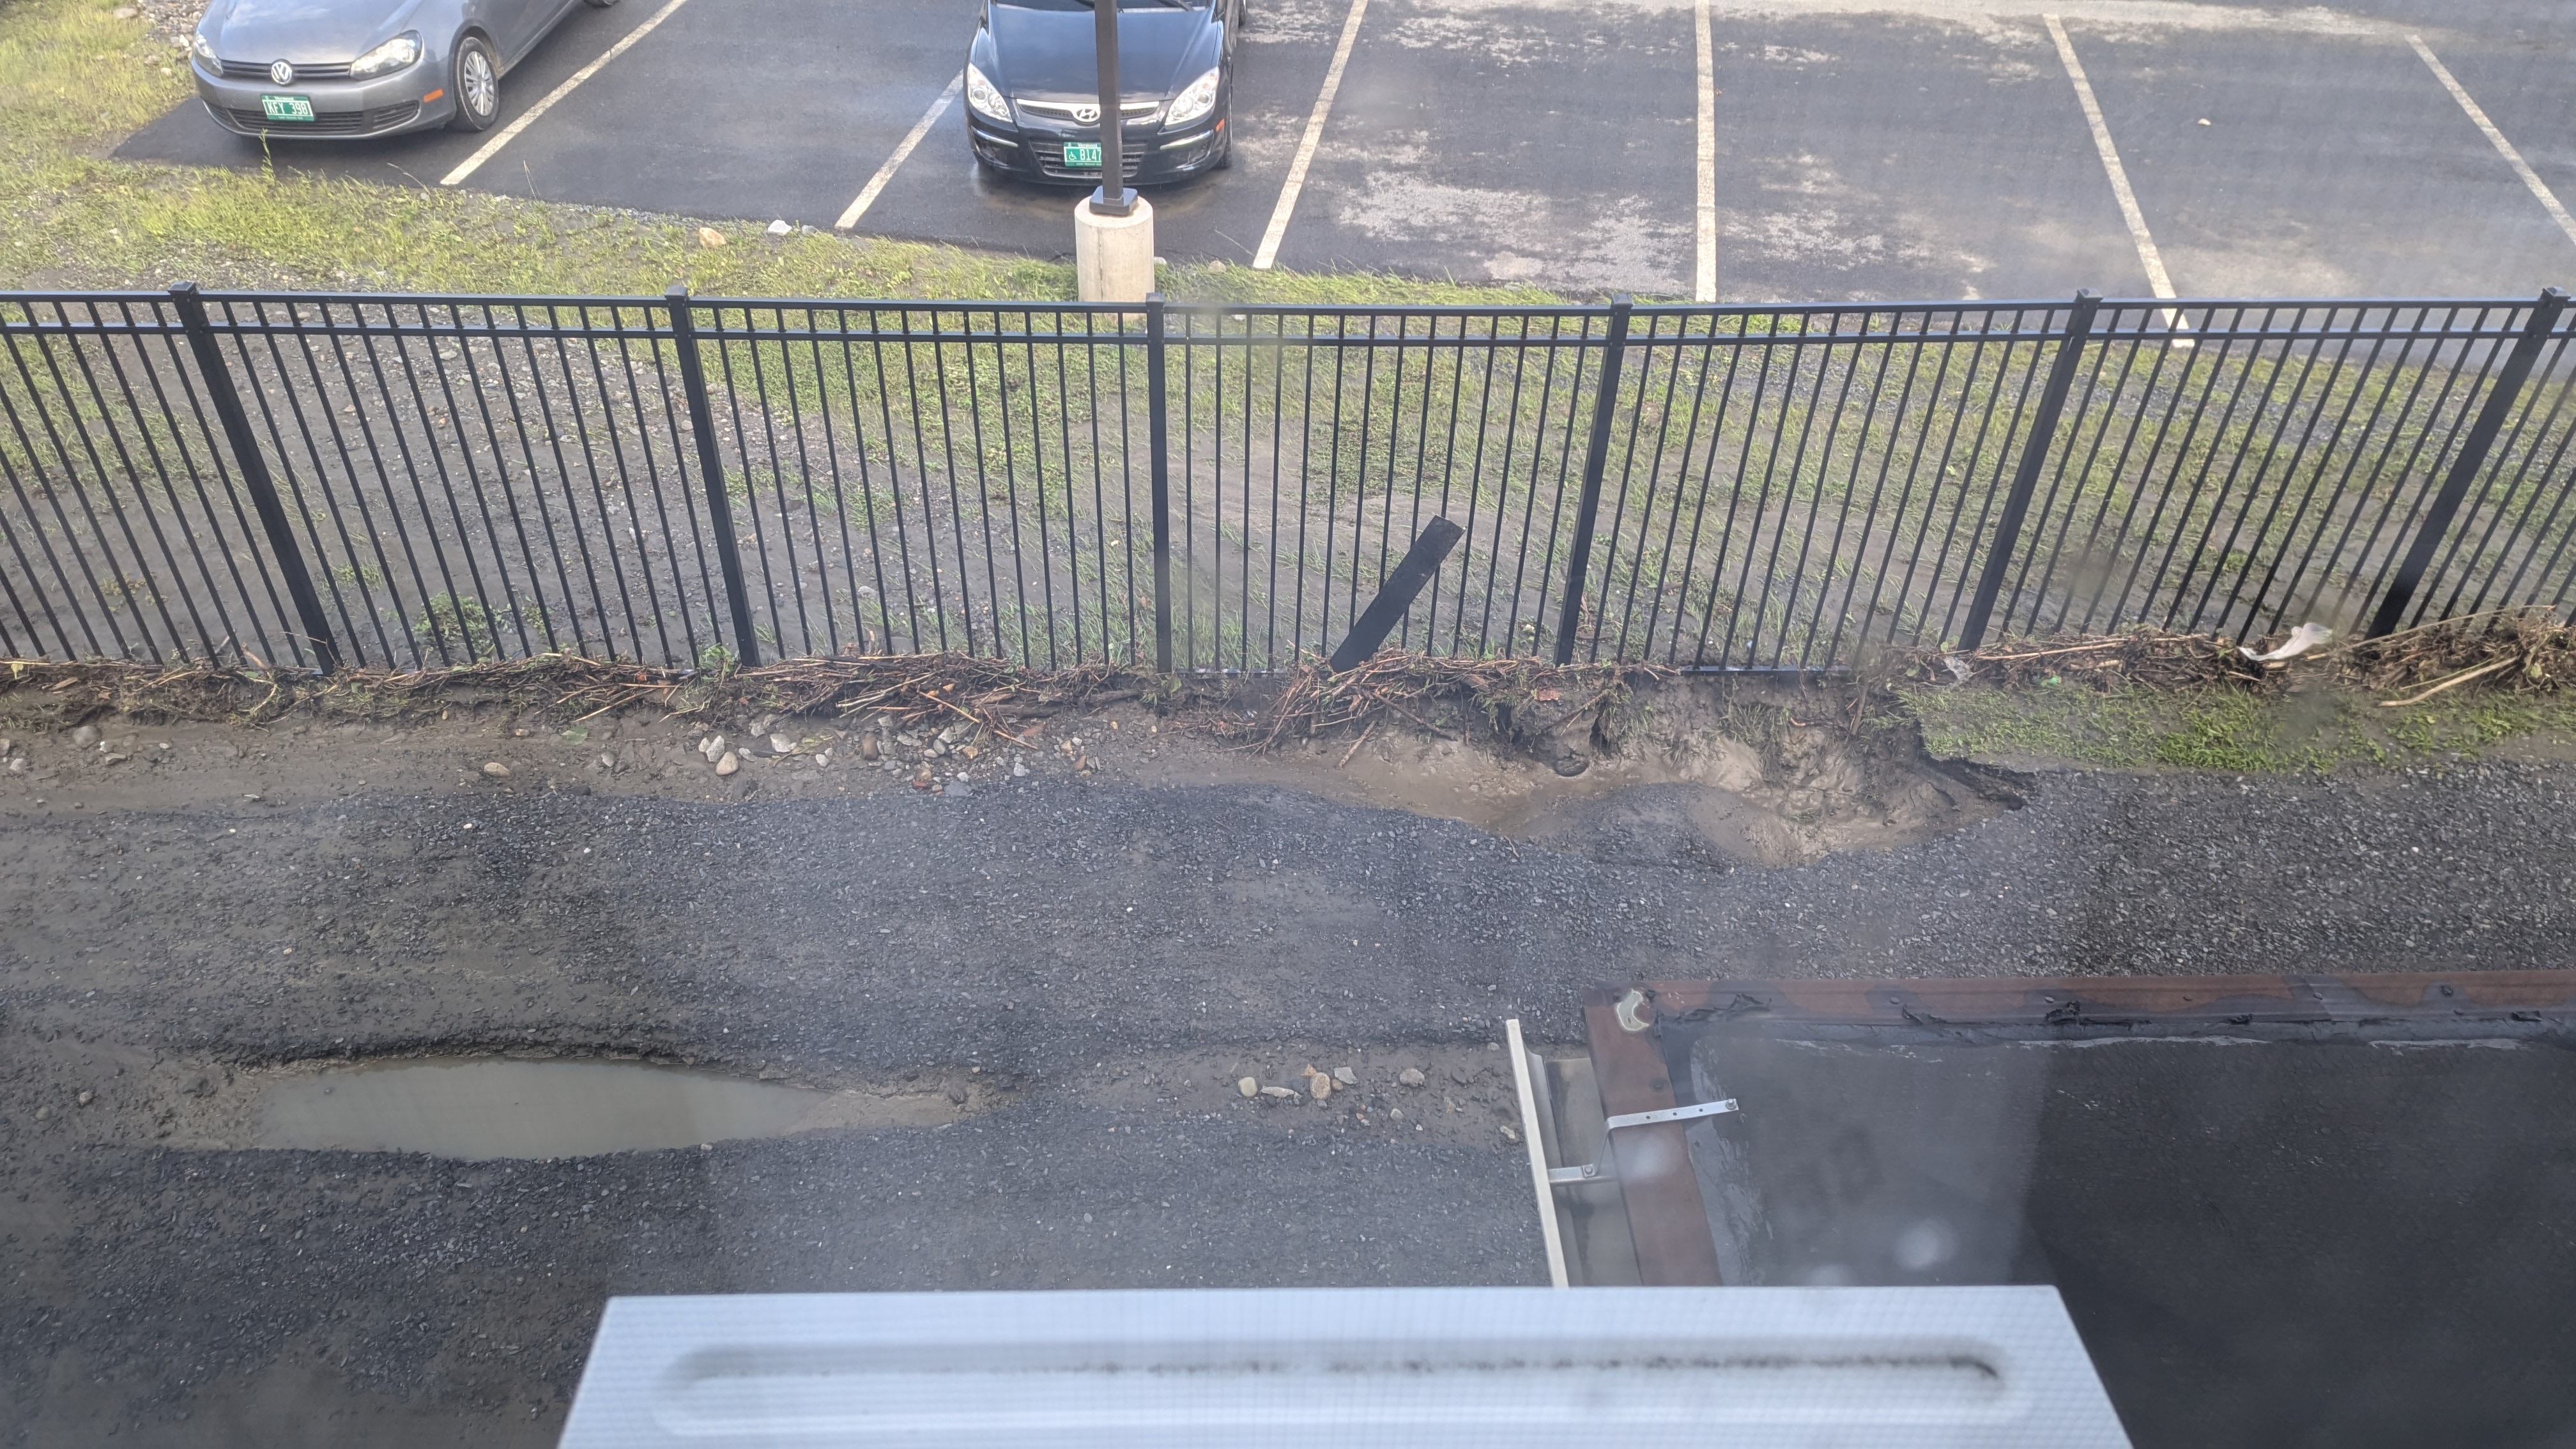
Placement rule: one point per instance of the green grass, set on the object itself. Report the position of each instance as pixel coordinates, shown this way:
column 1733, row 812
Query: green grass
column 74, row 80
column 2221, row 728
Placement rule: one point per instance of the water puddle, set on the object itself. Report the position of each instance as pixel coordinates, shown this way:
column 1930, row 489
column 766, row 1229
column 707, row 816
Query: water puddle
column 489, row 1107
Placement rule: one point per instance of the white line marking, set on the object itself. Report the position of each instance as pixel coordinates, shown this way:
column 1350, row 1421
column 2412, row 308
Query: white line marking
column 1707, row 274
column 2504, row 148
column 2148, row 257
column 877, row 184
column 470, row 164
column 1270, row 238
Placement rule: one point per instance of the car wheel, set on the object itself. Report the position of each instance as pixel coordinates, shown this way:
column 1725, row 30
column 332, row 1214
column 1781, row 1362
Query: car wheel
column 600, row 4
column 477, row 85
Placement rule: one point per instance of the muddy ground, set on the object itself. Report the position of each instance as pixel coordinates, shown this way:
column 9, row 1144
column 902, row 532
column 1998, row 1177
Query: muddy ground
column 1081, row 955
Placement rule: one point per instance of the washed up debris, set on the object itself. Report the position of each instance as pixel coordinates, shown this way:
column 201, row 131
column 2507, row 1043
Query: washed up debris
column 2301, row 640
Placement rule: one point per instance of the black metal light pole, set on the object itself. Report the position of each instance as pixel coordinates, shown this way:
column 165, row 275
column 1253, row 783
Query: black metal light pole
column 1113, row 198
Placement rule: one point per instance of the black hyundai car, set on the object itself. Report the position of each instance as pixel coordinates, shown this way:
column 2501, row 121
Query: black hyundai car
column 1033, row 88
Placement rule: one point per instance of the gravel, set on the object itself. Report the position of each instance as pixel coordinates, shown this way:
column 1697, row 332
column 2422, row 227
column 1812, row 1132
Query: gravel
column 1037, row 930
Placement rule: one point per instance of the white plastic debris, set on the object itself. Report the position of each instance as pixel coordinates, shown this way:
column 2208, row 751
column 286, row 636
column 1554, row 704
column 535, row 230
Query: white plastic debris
column 2301, row 640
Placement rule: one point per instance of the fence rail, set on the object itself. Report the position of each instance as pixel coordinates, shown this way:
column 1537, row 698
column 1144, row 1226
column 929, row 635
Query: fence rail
column 413, row 482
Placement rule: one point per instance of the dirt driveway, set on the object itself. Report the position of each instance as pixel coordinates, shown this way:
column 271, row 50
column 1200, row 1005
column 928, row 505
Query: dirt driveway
column 1031, row 1002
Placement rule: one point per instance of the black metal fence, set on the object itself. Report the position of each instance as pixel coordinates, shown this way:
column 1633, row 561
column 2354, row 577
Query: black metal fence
column 414, row 482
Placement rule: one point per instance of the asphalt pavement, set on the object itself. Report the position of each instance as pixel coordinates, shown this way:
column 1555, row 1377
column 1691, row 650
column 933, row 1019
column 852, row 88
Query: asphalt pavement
column 1860, row 149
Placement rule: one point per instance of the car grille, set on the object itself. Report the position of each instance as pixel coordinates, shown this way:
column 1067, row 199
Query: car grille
column 326, row 123
column 1050, row 158
column 257, row 70
column 1134, row 111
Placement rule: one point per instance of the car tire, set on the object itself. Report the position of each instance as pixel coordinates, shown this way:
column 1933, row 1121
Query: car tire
column 477, row 86
column 599, row 4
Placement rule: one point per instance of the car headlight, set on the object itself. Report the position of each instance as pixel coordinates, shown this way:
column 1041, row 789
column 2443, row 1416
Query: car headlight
column 1194, row 102
column 985, row 97
column 387, row 58
column 204, row 50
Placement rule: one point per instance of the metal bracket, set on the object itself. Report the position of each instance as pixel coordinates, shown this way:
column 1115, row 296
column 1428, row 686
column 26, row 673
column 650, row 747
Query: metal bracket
column 1591, row 1171
column 1669, row 1114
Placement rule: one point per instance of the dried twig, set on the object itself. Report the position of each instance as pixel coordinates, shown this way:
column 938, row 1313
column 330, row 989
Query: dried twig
column 1355, row 745
column 2463, row 677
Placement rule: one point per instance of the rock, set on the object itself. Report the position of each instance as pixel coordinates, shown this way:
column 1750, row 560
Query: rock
column 710, row 238
column 868, row 748
column 1410, row 1076
column 85, row 735
column 44, row 1112
column 822, row 758
column 1572, row 762
column 780, row 228
column 711, row 746
column 781, row 745
column 1321, row 1085
column 1216, row 266
column 960, row 789
column 1510, row 1134
column 118, row 759
column 1461, row 1075
column 86, row 1098
column 608, row 762
column 1247, row 1086
column 1019, row 769
column 496, row 769
column 1285, row 1094
column 728, row 764
column 1346, row 1076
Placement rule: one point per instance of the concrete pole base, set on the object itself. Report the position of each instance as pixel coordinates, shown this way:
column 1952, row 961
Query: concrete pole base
column 1114, row 255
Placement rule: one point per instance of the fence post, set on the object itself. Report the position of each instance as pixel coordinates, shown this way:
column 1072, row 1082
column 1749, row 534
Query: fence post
column 2473, row 456
column 702, row 423
column 2034, row 456
column 1157, row 412
column 1596, row 459
column 255, row 477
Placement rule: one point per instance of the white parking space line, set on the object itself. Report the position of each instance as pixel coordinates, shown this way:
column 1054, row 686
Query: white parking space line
column 2504, row 148
column 877, row 184
column 1706, row 273
column 1278, row 228
column 488, row 149
column 2148, row 257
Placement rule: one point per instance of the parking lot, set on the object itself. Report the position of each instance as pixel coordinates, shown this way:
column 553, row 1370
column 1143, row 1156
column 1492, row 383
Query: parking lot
column 1905, row 148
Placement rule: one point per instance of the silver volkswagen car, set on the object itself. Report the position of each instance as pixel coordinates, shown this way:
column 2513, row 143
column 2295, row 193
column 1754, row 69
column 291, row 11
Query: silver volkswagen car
column 355, row 68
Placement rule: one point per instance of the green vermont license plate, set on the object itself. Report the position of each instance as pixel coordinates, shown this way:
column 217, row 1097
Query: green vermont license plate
column 1081, row 153
column 300, row 108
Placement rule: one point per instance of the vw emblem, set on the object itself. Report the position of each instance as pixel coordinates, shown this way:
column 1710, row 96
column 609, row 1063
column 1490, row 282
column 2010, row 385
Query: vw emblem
column 1083, row 115
column 281, row 73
